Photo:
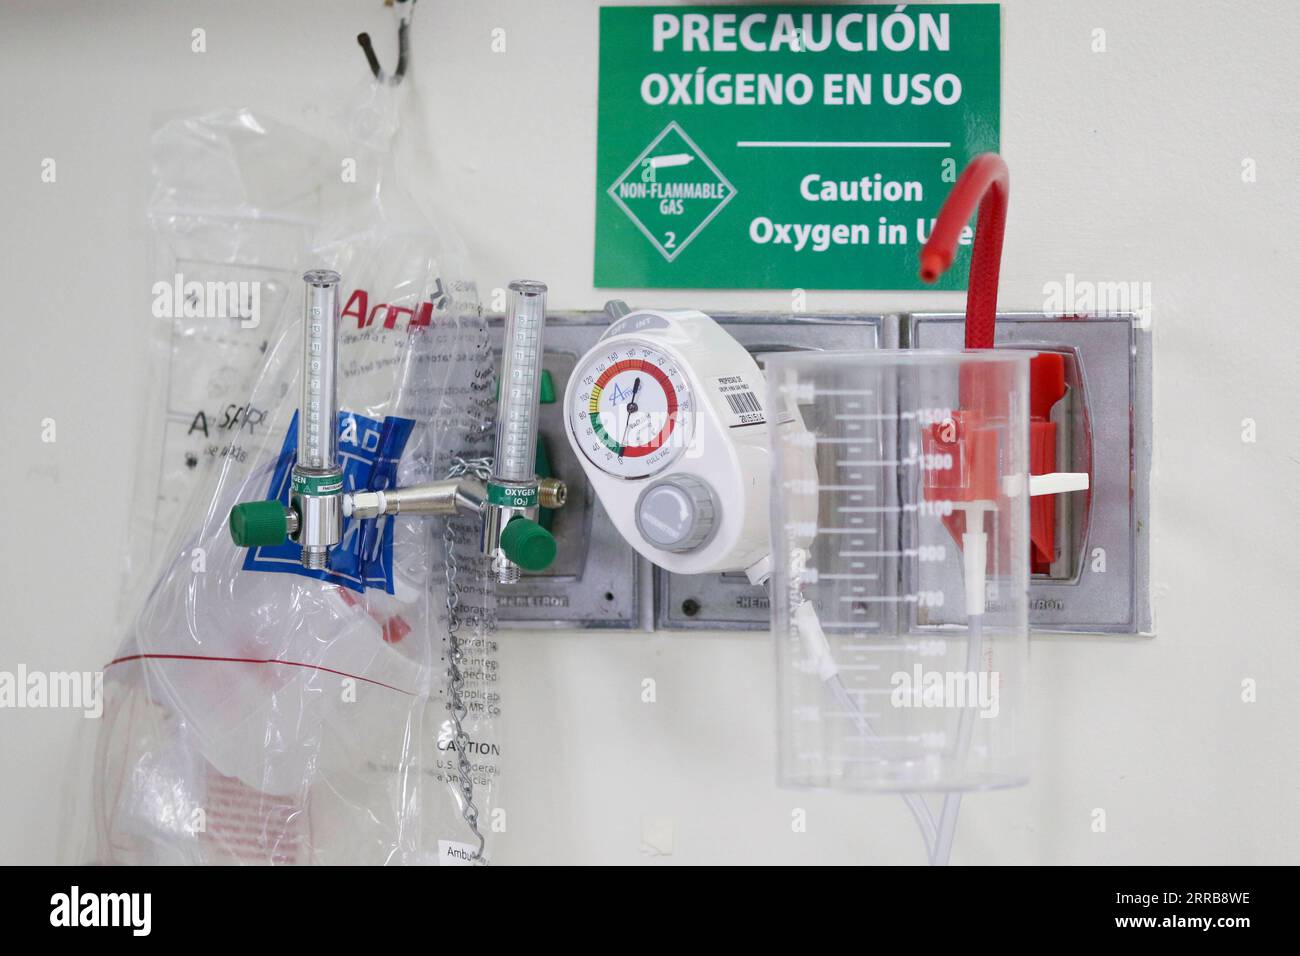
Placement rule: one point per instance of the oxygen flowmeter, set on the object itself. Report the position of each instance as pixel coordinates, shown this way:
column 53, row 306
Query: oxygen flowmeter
column 512, row 538
column 314, row 516
column 666, row 416
column 317, row 481
column 318, row 505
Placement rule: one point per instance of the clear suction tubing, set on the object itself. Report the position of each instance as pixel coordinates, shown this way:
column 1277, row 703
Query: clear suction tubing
column 900, row 598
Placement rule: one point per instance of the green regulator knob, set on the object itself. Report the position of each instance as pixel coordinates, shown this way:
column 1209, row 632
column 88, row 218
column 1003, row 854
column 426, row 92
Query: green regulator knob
column 256, row 524
column 528, row 544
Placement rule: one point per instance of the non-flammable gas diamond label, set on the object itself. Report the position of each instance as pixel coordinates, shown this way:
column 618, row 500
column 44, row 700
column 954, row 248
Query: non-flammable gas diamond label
column 672, row 191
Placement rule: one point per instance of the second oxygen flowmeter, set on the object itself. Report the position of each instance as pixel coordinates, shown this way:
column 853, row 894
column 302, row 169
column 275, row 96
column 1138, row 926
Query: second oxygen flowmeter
column 666, row 416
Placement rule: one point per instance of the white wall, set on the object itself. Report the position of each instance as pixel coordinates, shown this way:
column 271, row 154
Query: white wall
column 1126, row 166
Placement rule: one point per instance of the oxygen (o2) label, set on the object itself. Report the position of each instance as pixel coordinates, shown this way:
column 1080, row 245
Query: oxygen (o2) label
column 317, row 484
column 512, row 496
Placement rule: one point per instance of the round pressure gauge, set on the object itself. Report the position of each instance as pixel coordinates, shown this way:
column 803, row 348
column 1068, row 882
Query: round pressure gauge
column 631, row 410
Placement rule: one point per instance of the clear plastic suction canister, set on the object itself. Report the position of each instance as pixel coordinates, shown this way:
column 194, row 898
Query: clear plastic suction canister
column 521, row 371
column 900, row 535
column 318, row 414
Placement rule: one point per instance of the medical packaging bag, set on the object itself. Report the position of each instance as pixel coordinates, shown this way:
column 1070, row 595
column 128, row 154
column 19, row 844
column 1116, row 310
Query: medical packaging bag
column 256, row 711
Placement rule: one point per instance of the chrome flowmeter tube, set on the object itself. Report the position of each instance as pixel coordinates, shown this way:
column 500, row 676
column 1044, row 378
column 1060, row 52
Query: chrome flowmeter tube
column 521, row 378
column 511, row 536
column 319, row 446
column 317, row 483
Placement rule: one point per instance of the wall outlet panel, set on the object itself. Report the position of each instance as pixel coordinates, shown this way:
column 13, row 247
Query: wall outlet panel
column 1107, row 588
column 596, row 580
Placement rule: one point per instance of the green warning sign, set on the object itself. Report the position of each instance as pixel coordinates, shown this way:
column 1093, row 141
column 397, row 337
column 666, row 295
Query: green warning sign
column 786, row 146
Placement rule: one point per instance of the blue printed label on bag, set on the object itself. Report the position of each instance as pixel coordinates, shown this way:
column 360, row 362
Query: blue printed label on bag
column 368, row 453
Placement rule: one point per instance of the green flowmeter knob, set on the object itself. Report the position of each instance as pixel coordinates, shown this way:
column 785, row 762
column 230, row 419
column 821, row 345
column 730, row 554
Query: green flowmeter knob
column 528, row 544
column 259, row 524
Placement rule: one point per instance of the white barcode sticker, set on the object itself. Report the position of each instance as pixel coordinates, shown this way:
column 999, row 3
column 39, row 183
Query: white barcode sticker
column 741, row 397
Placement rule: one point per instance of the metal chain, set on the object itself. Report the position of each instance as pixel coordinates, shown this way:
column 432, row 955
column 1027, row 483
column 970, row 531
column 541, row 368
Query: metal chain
column 481, row 468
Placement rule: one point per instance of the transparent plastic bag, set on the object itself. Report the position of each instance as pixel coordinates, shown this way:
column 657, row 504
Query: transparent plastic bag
column 256, row 712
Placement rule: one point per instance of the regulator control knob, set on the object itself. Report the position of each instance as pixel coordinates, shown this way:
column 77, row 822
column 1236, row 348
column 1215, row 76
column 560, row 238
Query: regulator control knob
column 677, row 514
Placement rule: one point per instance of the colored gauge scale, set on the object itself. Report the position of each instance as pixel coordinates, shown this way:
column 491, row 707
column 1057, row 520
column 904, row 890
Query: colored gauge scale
column 633, row 412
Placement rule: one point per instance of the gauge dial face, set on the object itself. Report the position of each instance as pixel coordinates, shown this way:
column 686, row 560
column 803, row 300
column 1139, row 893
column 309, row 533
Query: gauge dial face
column 632, row 410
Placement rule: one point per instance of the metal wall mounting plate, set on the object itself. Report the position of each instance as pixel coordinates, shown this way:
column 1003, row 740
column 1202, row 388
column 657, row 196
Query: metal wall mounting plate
column 1101, row 580
column 595, row 581
column 1103, row 586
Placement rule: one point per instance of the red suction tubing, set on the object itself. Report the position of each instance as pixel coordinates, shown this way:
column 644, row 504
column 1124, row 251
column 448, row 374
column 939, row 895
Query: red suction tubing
column 985, row 181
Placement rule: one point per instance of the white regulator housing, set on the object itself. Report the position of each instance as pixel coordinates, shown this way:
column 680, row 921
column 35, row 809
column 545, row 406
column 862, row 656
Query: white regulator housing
column 666, row 416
